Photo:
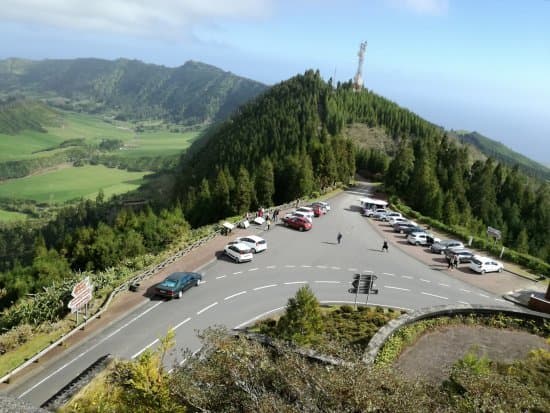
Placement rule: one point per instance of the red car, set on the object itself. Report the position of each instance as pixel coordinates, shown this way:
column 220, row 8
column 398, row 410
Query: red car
column 299, row 223
column 318, row 210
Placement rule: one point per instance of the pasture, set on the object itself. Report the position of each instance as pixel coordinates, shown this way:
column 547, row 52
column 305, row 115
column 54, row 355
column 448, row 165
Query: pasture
column 72, row 183
column 10, row 216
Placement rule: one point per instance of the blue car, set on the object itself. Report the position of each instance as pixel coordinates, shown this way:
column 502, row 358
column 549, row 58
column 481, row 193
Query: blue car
column 175, row 284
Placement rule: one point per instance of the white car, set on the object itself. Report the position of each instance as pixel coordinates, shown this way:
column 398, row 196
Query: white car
column 421, row 238
column 324, row 204
column 255, row 243
column 371, row 212
column 397, row 220
column 485, row 264
column 238, row 252
column 306, row 211
column 308, row 217
column 390, row 215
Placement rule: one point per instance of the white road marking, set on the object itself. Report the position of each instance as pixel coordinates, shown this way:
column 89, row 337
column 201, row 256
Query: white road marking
column 407, row 276
column 271, row 266
column 425, row 281
column 444, row 285
column 466, row 291
column 201, row 282
column 387, row 273
column 290, row 266
column 88, row 350
column 144, row 348
column 396, row 288
column 352, row 269
column 327, row 282
column 296, row 282
column 207, row 308
column 182, row 323
column 258, row 317
column 483, row 295
column 253, row 269
column 335, row 268
column 434, row 295
column 500, row 299
column 221, row 276
column 305, row 266
column 463, row 302
column 237, row 273
column 265, row 286
column 322, row 266
column 234, row 295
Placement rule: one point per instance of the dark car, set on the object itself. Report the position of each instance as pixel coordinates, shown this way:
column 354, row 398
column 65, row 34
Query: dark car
column 175, row 284
column 410, row 230
column 463, row 255
column 299, row 223
column 401, row 227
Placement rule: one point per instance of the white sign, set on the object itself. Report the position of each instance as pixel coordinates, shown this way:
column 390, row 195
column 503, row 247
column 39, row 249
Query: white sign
column 82, row 294
column 493, row 232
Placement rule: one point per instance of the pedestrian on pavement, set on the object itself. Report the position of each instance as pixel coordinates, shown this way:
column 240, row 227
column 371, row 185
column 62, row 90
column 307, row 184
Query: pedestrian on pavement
column 449, row 262
column 385, row 246
column 268, row 222
column 339, row 237
column 456, row 261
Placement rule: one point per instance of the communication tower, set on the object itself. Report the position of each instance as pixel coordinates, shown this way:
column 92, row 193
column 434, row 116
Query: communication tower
column 358, row 79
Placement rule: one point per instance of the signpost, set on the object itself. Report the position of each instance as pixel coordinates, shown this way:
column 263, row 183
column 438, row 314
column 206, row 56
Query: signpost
column 493, row 232
column 82, row 294
column 363, row 284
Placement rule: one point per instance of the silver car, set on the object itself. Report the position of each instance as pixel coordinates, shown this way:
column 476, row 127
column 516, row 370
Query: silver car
column 441, row 246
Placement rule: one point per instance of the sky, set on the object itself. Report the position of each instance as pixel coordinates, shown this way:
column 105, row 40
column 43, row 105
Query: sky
column 478, row 65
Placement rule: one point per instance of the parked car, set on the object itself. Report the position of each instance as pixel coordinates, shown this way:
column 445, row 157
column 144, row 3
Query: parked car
column 368, row 212
column 318, row 210
column 412, row 229
column 176, row 283
column 380, row 215
column 421, row 238
column 306, row 211
column 441, row 246
column 390, row 215
column 400, row 227
column 323, row 204
column 485, row 264
column 255, row 243
column 307, row 217
column 397, row 220
column 239, row 252
column 296, row 222
column 462, row 254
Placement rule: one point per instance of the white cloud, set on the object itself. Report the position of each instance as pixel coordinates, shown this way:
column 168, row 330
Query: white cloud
column 432, row 7
column 130, row 16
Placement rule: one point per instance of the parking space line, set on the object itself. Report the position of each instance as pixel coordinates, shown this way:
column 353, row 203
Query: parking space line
column 322, row 267
column 237, row 273
column 271, row 266
column 463, row 302
column 387, row 273
column 207, row 308
column 253, row 269
column 407, row 277
column 466, row 291
column 265, row 286
column 483, row 295
column 295, row 282
column 221, row 276
column 335, row 268
column 444, row 285
column 234, row 295
column 425, row 281
column 434, row 295
column 352, row 269
column 396, row 288
column 500, row 299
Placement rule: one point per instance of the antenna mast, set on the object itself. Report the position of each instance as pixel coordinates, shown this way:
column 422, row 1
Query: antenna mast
column 358, row 79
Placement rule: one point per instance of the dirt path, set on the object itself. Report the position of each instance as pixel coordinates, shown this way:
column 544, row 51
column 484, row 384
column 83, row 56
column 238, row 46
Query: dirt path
column 433, row 355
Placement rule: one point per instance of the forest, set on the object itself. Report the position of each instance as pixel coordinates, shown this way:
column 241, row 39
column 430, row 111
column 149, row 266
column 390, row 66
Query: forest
column 286, row 144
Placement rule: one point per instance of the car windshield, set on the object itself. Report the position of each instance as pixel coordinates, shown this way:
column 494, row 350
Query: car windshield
column 169, row 283
column 476, row 262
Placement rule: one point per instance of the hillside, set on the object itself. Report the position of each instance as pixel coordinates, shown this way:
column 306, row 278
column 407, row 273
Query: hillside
column 130, row 89
column 17, row 115
column 500, row 152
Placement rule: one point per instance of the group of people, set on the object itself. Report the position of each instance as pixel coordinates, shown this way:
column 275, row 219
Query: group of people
column 452, row 261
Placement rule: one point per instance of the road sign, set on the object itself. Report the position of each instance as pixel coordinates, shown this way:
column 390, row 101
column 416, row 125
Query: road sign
column 362, row 284
column 493, row 232
column 82, row 294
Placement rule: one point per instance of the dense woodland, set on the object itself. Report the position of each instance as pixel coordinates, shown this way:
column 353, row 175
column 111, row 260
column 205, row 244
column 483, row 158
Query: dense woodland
column 286, row 144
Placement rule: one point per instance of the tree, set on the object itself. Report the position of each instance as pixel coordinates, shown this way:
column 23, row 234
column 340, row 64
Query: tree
column 302, row 321
column 243, row 191
column 400, row 168
column 265, row 183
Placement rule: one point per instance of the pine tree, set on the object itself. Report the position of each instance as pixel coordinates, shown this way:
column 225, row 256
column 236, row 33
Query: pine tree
column 243, row 192
column 265, row 183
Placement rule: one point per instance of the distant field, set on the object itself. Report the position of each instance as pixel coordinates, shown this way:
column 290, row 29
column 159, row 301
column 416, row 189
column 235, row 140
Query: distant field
column 72, row 183
column 9, row 216
column 93, row 130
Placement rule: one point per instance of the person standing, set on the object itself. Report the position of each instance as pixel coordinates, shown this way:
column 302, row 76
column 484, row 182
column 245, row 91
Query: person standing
column 456, row 261
column 385, row 246
column 339, row 237
column 268, row 222
column 449, row 262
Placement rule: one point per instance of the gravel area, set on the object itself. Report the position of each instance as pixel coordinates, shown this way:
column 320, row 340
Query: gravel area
column 433, row 355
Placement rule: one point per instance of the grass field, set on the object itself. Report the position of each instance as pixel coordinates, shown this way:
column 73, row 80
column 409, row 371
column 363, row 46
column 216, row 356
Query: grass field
column 10, row 216
column 72, row 183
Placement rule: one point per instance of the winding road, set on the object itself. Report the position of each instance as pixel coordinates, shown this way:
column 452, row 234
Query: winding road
column 235, row 295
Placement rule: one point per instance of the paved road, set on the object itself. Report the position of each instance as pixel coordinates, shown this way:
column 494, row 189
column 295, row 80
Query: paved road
column 236, row 294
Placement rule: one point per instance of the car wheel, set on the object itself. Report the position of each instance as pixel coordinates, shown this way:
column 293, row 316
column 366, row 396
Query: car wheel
column 197, row 282
column 180, row 294
column 301, row 229
column 286, row 224
column 482, row 272
column 442, row 252
column 238, row 260
column 253, row 250
column 500, row 270
column 417, row 243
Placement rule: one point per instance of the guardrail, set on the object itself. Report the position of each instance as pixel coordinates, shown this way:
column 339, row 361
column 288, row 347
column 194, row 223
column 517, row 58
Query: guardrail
column 126, row 286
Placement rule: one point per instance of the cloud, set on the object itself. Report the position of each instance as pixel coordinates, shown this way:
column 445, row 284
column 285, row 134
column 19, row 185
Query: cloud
column 431, row 7
column 131, row 16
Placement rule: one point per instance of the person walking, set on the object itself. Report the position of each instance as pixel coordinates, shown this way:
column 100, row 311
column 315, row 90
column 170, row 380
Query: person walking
column 339, row 237
column 456, row 261
column 385, row 246
column 268, row 222
column 449, row 262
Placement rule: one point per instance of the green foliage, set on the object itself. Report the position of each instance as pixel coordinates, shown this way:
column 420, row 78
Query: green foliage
column 302, row 322
column 19, row 114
